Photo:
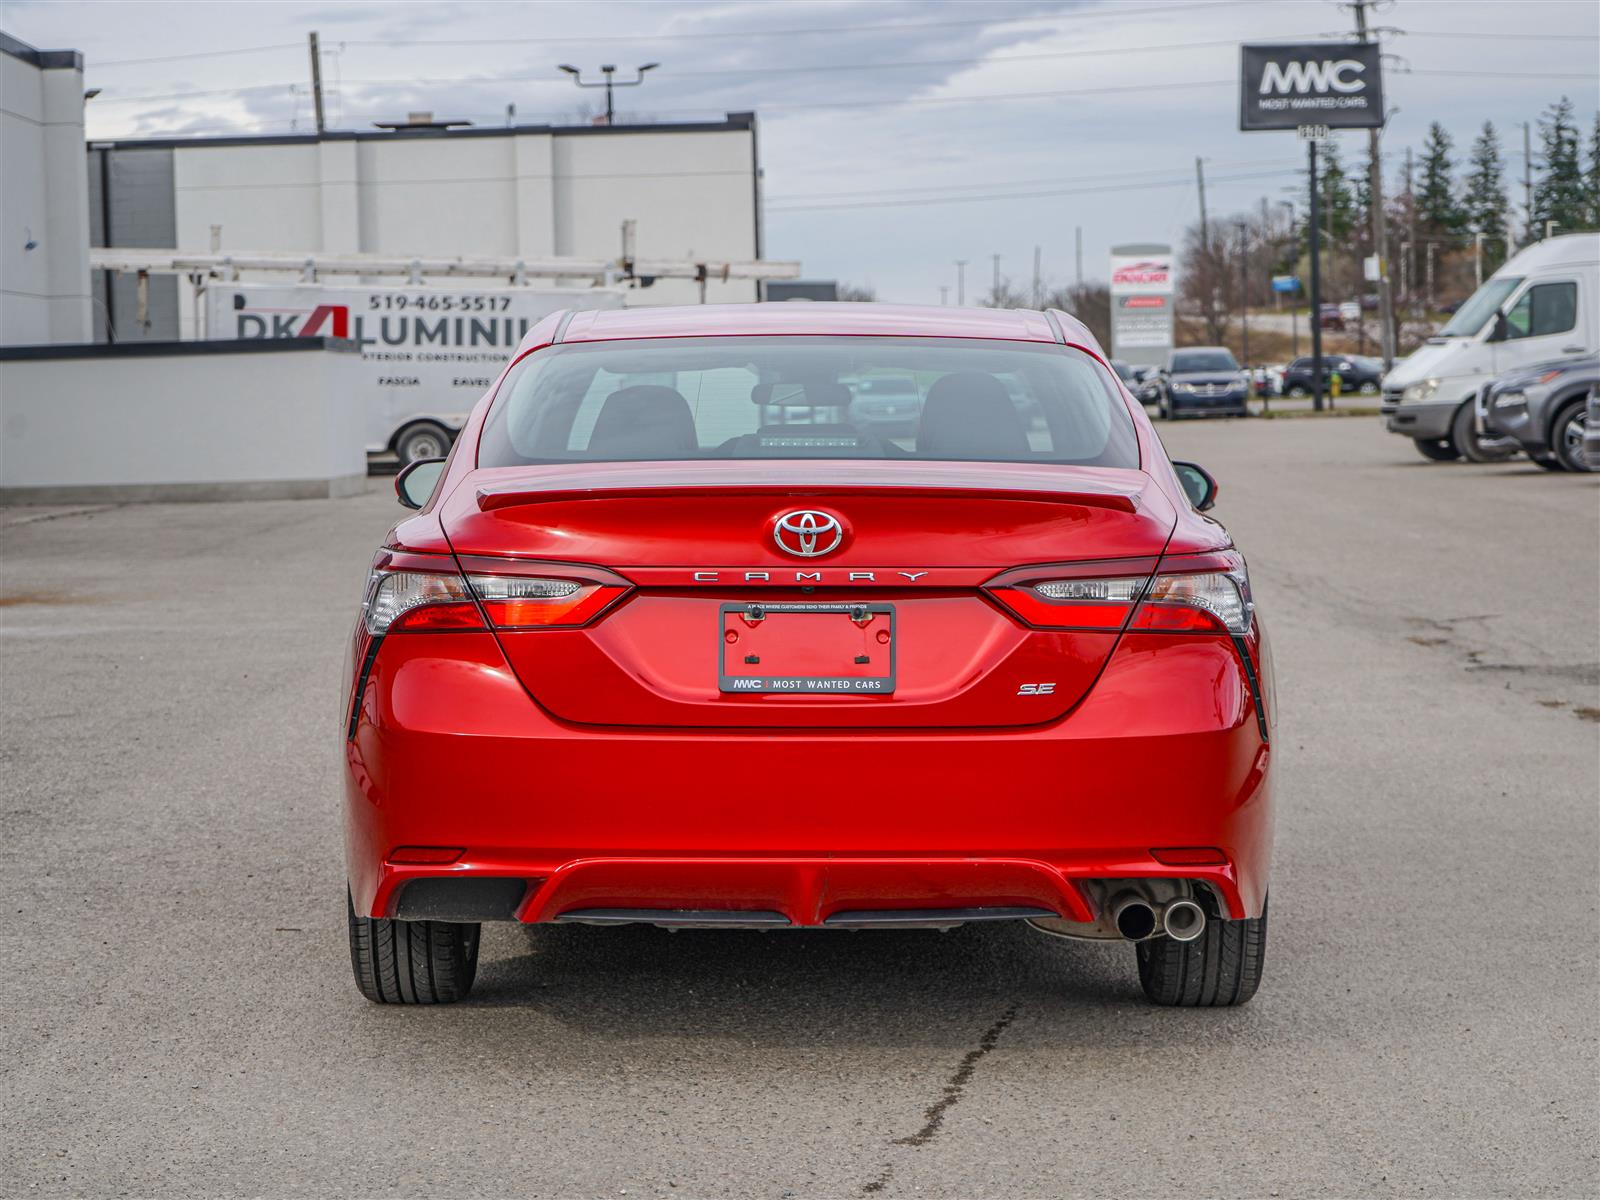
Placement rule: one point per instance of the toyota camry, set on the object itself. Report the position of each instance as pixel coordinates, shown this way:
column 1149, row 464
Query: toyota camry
column 670, row 639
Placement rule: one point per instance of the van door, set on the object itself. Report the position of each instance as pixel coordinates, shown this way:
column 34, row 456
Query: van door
column 1543, row 323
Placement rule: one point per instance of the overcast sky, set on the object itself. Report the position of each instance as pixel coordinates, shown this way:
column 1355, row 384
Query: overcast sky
column 897, row 136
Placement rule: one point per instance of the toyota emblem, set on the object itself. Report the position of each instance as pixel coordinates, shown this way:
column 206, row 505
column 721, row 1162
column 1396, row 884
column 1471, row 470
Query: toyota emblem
column 808, row 533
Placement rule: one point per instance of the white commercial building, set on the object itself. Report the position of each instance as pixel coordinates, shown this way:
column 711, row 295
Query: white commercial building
column 44, row 206
column 427, row 191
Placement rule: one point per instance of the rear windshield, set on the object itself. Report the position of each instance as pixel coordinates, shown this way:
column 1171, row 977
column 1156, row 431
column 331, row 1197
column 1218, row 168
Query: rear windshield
column 808, row 397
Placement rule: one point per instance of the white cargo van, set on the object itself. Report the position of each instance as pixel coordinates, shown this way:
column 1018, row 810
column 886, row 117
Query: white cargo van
column 1543, row 304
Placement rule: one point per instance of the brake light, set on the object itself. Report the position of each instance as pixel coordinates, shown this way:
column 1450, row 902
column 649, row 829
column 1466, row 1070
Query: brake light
column 419, row 593
column 1207, row 593
column 411, row 600
column 530, row 602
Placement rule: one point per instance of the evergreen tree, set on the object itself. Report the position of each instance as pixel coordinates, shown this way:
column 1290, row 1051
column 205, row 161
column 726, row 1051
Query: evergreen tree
column 1559, row 194
column 1486, row 208
column 1334, row 192
column 1438, row 212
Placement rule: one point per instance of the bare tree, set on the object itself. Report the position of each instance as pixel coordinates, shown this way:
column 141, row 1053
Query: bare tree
column 858, row 293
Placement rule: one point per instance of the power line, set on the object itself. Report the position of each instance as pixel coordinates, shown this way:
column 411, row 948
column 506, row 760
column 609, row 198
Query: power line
column 1032, row 195
column 1006, row 183
column 1499, row 74
column 166, row 58
column 902, row 27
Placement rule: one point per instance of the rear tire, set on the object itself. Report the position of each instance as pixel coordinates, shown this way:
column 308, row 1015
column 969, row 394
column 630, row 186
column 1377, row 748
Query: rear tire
column 1437, row 449
column 1566, row 439
column 1220, row 968
column 411, row 962
column 1464, row 433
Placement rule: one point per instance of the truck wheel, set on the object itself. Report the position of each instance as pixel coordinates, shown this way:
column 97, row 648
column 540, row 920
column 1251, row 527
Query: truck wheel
column 422, row 440
column 1437, row 449
column 1220, row 968
column 411, row 962
column 1476, row 448
column 1566, row 439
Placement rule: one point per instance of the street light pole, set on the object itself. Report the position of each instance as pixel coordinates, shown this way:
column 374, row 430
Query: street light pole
column 610, row 81
column 961, row 281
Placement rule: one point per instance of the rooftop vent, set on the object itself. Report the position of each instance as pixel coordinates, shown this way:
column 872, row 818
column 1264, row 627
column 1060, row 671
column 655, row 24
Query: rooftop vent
column 420, row 120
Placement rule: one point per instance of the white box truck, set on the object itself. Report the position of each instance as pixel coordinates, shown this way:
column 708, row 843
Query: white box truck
column 428, row 352
column 1543, row 305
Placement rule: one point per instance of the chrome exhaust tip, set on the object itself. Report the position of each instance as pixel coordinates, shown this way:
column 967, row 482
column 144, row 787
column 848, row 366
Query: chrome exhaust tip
column 1183, row 920
column 1135, row 920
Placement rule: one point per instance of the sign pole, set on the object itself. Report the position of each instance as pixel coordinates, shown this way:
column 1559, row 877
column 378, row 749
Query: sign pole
column 1316, row 280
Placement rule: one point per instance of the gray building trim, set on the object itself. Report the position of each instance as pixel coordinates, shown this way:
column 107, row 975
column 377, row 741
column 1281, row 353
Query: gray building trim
column 45, row 60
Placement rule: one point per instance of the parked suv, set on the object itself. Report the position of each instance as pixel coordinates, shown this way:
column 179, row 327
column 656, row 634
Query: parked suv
column 1543, row 408
column 1355, row 375
column 1202, row 381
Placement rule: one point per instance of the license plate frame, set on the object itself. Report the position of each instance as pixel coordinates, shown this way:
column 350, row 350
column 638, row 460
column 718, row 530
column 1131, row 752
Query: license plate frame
column 881, row 615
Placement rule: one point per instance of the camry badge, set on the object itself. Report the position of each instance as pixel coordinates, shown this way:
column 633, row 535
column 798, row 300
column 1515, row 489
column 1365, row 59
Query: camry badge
column 808, row 533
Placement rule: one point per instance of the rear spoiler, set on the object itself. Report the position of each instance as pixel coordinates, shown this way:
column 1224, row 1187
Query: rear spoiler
column 514, row 495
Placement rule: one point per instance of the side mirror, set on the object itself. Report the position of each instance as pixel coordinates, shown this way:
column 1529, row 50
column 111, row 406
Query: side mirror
column 416, row 482
column 1197, row 484
column 1501, row 329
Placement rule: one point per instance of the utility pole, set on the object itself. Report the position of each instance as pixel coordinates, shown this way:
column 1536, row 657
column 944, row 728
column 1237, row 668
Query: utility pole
column 1380, row 223
column 1038, row 281
column 1527, row 178
column 1244, row 297
column 1430, row 301
column 1205, row 244
column 1316, row 278
column 316, row 82
column 1079, row 238
column 1411, row 236
column 961, row 281
column 1477, row 259
column 994, row 291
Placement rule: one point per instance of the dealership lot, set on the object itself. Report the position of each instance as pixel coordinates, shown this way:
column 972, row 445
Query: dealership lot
column 181, row 1017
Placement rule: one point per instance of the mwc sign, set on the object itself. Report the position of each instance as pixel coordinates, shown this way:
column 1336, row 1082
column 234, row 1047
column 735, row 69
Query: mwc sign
column 1337, row 84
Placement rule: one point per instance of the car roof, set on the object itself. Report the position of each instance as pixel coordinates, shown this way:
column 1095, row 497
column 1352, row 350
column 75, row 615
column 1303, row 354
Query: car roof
column 820, row 318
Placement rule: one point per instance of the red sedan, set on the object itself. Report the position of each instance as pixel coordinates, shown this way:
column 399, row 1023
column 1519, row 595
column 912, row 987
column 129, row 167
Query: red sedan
column 670, row 640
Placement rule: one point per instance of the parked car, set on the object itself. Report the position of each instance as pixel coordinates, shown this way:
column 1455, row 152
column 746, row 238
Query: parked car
column 1543, row 304
column 887, row 405
column 1331, row 317
column 1202, row 381
column 1545, row 409
column 1356, row 375
column 1126, row 372
column 596, row 673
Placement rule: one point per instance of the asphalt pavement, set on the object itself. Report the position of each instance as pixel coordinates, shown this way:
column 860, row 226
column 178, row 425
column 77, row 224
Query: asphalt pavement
column 180, row 1017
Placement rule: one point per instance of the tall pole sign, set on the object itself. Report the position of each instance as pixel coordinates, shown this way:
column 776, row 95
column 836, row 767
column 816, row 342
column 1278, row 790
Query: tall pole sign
column 1315, row 88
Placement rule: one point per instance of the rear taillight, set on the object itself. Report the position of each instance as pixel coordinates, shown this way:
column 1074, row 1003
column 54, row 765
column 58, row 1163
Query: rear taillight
column 533, row 602
column 421, row 593
column 1202, row 593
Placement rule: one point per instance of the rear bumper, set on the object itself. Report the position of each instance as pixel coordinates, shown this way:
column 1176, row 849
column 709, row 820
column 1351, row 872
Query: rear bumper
column 449, row 751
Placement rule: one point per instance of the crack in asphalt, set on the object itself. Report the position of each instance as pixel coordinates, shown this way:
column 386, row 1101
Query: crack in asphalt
column 933, row 1115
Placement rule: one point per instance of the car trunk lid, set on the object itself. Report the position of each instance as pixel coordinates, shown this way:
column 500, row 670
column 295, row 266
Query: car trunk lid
column 890, row 628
